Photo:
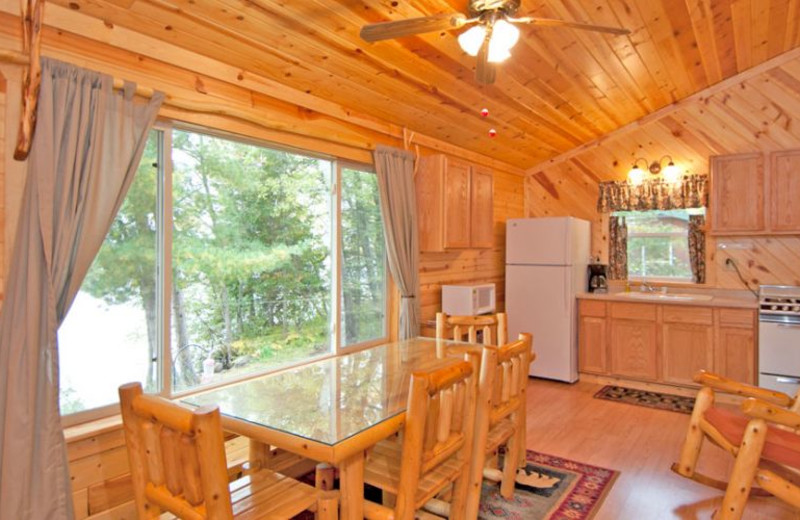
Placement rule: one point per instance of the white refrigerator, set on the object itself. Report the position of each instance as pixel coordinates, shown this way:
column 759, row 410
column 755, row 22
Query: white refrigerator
column 546, row 266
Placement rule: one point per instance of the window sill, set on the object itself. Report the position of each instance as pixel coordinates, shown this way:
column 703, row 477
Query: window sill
column 89, row 429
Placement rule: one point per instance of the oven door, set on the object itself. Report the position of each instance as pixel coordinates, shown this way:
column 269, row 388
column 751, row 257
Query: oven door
column 779, row 348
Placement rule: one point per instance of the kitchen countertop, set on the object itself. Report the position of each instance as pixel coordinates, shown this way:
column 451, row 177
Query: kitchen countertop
column 720, row 298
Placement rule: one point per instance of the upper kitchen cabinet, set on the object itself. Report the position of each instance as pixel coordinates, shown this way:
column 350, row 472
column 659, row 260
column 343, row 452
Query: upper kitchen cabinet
column 737, row 194
column 454, row 204
column 785, row 182
column 755, row 194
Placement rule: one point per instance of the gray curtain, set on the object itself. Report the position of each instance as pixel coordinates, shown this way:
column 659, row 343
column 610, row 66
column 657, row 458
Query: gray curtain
column 85, row 152
column 395, row 169
column 697, row 247
column 617, row 248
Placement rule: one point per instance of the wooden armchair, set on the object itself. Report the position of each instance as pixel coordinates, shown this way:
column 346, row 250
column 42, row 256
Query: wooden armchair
column 467, row 327
column 434, row 452
column 177, row 460
column 500, row 419
column 767, row 455
column 722, row 426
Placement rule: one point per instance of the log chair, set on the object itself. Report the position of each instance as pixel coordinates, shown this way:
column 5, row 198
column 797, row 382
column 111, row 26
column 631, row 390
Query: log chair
column 177, row 461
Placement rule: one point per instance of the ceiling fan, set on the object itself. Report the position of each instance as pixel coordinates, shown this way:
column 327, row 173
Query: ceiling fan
column 490, row 39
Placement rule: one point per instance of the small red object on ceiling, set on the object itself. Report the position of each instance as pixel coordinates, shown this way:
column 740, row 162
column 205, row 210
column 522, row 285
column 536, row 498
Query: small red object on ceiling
column 492, row 132
column 485, row 112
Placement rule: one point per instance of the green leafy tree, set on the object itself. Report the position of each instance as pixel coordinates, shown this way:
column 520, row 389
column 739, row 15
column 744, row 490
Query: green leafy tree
column 251, row 262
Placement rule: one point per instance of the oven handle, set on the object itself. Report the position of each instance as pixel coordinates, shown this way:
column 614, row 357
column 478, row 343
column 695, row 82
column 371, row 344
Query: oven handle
column 788, row 380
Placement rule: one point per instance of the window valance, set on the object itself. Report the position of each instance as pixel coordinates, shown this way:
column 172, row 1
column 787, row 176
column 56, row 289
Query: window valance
column 690, row 192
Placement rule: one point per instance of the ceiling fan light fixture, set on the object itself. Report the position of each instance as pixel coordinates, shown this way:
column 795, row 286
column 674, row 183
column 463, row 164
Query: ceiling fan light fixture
column 471, row 40
column 504, row 36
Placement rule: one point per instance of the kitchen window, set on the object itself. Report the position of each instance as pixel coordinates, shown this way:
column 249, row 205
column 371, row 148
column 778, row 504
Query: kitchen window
column 658, row 246
column 227, row 259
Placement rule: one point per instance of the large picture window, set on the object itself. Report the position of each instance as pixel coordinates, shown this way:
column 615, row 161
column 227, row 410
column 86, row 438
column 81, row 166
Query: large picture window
column 226, row 259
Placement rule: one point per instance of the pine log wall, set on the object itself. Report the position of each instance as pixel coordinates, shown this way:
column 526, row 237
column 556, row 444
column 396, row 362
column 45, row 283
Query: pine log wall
column 758, row 110
column 3, row 134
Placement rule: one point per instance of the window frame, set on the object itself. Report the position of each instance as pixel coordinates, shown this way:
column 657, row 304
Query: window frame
column 164, row 267
column 683, row 280
column 388, row 288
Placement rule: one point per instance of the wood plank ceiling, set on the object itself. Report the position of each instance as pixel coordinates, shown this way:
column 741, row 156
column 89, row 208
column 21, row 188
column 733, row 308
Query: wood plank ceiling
column 561, row 88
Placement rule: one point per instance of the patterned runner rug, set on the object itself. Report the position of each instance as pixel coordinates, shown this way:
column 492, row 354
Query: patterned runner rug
column 550, row 488
column 672, row 403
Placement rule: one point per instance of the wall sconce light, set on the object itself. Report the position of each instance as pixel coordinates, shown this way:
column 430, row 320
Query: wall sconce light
column 669, row 173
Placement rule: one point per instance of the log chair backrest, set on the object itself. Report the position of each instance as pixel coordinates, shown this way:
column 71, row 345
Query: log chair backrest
column 494, row 328
column 440, row 420
column 177, row 457
column 503, row 380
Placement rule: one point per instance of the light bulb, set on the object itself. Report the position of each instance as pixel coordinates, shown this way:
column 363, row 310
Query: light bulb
column 636, row 176
column 671, row 174
column 472, row 39
column 504, row 37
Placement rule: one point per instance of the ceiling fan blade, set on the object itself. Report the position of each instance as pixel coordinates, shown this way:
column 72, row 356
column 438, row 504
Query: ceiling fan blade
column 485, row 72
column 549, row 22
column 398, row 28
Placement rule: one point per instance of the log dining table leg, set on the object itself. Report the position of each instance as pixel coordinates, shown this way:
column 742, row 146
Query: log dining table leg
column 351, row 487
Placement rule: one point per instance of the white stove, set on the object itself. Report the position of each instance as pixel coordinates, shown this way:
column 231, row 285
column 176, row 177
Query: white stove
column 779, row 338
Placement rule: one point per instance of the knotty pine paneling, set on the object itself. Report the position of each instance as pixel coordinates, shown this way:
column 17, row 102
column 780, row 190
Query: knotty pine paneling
column 3, row 134
column 759, row 112
column 561, row 88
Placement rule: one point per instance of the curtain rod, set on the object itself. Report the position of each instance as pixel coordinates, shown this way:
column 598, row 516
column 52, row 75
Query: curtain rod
column 18, row 58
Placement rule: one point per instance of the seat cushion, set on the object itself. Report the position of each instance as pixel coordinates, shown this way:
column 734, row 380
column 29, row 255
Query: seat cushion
column 781, row 446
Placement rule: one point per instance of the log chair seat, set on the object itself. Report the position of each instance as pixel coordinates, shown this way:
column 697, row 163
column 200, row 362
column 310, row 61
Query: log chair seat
column 781, row 446
column 388, row 454
column 499, row 434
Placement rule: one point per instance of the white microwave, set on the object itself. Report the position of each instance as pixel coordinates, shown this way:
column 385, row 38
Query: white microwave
column 468, row 300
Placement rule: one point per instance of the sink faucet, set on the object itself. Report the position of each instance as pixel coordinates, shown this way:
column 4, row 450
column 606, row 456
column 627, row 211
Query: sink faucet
column 646, row 287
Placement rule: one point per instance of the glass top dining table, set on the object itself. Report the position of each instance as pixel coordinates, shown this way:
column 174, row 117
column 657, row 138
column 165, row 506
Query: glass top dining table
column 333, row 409
column 330, row 400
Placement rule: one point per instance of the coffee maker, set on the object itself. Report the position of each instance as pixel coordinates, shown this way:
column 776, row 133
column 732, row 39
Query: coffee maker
column 598, row 279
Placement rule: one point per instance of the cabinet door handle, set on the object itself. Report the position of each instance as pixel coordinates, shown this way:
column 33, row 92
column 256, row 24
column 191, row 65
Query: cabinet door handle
column 789, row 380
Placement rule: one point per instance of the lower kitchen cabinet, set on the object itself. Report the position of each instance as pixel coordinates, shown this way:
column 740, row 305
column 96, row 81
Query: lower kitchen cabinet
column 593, row 345
column 736, row 336
column 687, row 342
column 666, row 343
column 633, row 347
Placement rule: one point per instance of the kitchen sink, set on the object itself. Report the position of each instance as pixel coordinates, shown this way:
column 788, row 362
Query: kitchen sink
column 659, row 296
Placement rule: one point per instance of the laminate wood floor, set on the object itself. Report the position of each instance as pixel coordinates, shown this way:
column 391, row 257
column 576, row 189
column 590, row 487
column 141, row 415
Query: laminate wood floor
column 641, row 443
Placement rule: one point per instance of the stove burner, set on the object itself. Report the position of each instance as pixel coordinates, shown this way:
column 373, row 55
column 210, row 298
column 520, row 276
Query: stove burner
column 779, row 302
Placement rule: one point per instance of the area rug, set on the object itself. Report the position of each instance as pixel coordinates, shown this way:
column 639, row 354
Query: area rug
column 550, row 488
column 672, row 403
